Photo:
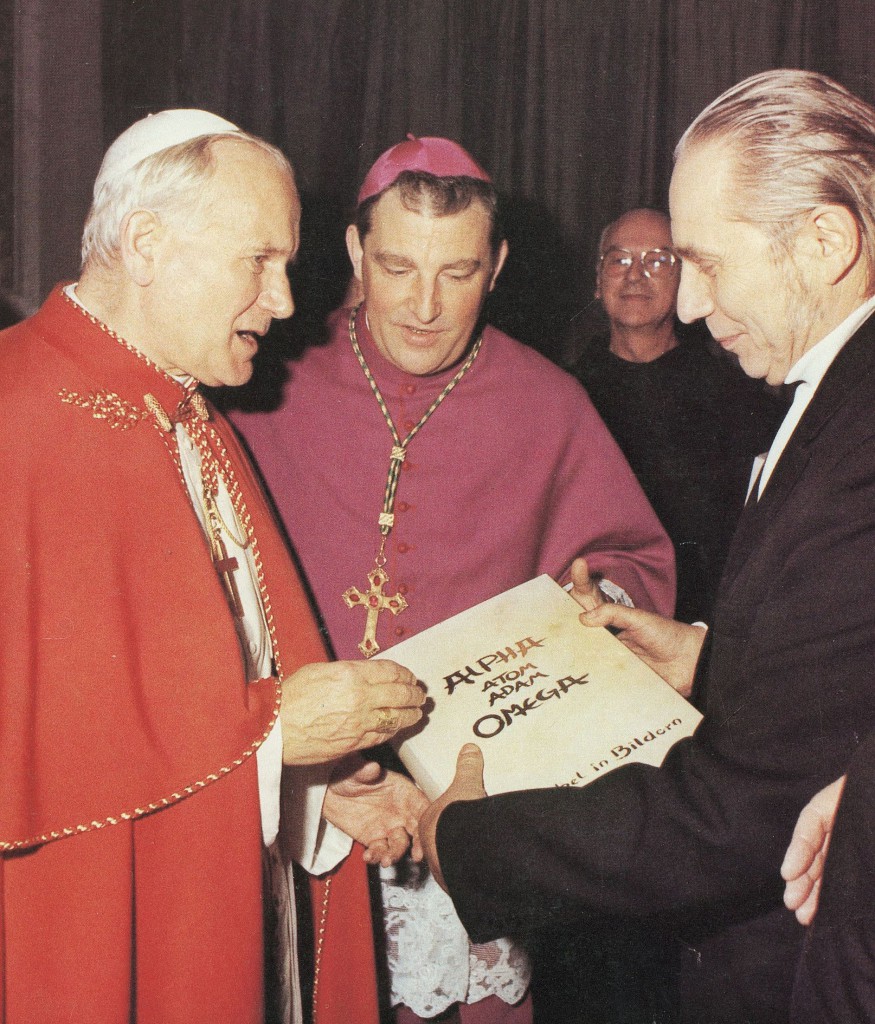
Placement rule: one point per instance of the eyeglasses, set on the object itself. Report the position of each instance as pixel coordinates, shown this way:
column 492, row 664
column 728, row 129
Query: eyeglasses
column 617, row 262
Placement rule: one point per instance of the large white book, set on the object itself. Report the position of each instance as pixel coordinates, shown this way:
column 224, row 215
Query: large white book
column 549, row 701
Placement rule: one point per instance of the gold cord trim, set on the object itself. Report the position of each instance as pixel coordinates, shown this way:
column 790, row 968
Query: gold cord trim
column 320, row 945
column 138, row 812
column 100, row 325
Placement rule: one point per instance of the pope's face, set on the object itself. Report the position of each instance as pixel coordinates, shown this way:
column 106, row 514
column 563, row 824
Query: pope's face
column 220, row 270
column 634, row 299
column 754, row 302
column 425, row 280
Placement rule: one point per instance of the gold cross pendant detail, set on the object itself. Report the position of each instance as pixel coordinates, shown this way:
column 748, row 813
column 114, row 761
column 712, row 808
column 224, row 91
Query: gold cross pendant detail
column 226, row 565
column 375, row 601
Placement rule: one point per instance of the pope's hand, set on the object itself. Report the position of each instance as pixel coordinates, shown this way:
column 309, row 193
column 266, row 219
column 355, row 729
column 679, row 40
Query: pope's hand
column 467, row 785
column 378, row 808
column 802, row 869
column 670, row 648
column 330, row 710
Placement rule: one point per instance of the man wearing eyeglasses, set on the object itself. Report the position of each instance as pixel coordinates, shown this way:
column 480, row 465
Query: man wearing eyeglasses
column 688, row 422
column 638, row 275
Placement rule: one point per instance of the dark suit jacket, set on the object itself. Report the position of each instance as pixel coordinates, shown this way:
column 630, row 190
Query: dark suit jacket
column 785, row 684
column 836, row 980
column 690, row 424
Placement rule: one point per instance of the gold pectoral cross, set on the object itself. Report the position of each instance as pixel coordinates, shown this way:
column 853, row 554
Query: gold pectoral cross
column 375, row 601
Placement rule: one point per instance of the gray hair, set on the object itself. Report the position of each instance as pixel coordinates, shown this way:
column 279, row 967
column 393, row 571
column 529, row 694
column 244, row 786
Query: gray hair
column 799, row 140
column 165, row 183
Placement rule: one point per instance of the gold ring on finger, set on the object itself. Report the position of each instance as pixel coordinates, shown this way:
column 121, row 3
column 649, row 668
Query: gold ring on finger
column 387, row 721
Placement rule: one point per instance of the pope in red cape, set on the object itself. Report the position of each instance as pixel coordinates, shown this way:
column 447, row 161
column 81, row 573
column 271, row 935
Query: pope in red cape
column 163, row 683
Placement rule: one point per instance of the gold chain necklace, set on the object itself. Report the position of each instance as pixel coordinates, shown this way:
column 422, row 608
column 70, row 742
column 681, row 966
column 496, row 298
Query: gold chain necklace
column 373, row 599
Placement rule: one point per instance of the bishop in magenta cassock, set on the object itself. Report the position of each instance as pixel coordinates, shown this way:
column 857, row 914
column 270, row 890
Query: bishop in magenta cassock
column 501, row 470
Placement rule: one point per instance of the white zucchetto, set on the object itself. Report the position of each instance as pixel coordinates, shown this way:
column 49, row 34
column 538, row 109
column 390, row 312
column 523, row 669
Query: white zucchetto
column 154, row 133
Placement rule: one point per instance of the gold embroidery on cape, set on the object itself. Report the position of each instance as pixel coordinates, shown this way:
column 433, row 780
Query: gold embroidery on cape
column 106, row 406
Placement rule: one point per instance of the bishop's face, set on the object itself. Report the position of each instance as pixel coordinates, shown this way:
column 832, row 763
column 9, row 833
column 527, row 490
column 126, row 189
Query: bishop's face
column 221, row 270
column 425, row 280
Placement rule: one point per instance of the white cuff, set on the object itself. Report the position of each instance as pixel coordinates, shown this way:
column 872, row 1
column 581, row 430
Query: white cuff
column 269, row 757
column 307, row 838
column 615, row 594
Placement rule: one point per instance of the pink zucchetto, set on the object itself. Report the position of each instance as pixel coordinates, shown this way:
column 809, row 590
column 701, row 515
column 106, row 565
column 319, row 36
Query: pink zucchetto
column 440, row 157
column 154, row 133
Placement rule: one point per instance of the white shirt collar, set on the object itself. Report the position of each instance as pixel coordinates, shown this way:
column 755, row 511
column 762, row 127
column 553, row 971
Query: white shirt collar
column 812, row 366
column 809, row 370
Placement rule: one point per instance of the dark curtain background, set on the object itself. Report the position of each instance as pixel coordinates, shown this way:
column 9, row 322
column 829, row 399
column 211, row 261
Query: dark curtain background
column 6, row 162
column 573, row 105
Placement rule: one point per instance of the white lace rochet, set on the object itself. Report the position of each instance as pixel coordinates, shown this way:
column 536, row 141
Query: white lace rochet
column 431, row 962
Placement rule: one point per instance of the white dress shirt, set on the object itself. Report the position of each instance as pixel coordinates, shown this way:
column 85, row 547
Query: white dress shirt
column 808, row 371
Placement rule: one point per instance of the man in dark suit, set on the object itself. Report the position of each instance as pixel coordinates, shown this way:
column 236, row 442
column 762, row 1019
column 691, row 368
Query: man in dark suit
column 773, row 214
